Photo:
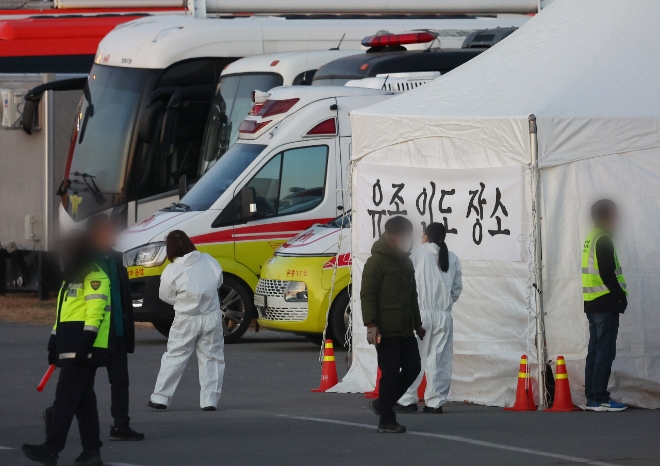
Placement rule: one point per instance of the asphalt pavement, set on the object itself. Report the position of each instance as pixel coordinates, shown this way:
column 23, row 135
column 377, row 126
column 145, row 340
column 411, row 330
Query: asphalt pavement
column 268, row 416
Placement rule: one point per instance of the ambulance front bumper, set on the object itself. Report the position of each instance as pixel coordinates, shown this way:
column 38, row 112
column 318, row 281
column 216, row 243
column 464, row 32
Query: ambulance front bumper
column 147, row 306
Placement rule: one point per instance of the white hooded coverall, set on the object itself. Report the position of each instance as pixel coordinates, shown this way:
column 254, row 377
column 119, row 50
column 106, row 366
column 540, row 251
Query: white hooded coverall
column 437, row 291
column 191, row 284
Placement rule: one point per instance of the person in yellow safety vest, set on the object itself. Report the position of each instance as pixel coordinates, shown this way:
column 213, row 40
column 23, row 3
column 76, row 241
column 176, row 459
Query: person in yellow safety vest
column 605, row 297
column 78, row 345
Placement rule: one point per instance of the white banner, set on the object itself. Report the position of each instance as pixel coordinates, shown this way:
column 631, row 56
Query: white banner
column 481, row 208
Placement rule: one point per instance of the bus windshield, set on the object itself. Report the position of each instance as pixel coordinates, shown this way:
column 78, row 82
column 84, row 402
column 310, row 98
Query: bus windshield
column 105, row 125
column 231, row 104
column 221, row 175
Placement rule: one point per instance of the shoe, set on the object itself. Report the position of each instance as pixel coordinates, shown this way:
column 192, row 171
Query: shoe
column 391, row 428
column 405, row 409
column 48, row 415
column 156, row 405
column 610, row 405
column 590, row 406
column 125, row 434
column 38, row 453
column 208, row 408
column 89, row 458
column 372, row 405
column 429, row 410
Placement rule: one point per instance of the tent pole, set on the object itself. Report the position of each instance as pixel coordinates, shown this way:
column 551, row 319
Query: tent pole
column 541, row 356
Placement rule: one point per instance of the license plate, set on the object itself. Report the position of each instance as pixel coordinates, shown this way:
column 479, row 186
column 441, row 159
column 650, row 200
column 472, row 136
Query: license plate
column 259, row 300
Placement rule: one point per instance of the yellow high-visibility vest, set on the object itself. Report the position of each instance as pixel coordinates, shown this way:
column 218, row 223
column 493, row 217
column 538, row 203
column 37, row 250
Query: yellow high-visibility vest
column 83, row 306
column 592, row 284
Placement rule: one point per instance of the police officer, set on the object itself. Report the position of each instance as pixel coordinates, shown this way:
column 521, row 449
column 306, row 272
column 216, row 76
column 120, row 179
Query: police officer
column 78, row 345
column 605, row 297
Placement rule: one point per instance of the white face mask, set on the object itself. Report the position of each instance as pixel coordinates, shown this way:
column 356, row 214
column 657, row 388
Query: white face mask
column 404, row 244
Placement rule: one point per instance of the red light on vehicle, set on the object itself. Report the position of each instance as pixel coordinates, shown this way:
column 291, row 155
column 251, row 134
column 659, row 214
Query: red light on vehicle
column 256, row 108
column 364, row 67
column 390, row 40
column 276, row 107
column 274, row 63
column 326, row 127
column 251, row 126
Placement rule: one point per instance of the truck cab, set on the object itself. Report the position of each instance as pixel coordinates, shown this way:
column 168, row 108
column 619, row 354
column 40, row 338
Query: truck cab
column 284, row 174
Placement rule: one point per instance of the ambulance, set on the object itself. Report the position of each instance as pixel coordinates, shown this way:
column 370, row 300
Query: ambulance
column 284, row 174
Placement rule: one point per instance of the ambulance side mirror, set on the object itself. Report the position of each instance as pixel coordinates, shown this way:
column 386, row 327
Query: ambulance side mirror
column 183, row 185
column 248, row 203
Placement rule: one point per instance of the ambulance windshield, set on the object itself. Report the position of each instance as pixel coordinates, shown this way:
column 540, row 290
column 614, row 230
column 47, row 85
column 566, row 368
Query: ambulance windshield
column 221, row 175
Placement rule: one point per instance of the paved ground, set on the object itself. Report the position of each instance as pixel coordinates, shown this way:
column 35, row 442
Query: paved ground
column 267, row 416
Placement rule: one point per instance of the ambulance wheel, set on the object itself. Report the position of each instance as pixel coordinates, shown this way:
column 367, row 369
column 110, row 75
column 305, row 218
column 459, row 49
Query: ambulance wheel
column 340, row 318
column 163, row 327
column 236, row 305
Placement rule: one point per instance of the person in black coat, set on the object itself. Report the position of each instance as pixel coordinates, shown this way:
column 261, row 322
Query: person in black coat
column 121, row 342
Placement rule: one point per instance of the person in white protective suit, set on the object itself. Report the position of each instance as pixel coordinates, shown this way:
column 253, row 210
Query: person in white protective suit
column 439, row 284
column 191, row 284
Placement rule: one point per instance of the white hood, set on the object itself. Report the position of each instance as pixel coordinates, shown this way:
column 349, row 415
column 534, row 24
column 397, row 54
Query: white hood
column 316, row 241
column 153, row 228
column 189, row 259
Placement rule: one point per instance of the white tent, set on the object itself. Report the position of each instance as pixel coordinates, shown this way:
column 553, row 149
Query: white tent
column 588, row 70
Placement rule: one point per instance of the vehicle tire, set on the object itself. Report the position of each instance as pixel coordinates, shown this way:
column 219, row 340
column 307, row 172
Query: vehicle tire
column 237, row 305
column 339, row 317
column 163, row 327
column 315, row 338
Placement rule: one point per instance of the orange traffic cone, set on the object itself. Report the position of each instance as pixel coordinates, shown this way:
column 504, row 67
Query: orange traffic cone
column 421, row 389
column 374, row 393
column 328, row 369
column 524, row 394
column 563, row 401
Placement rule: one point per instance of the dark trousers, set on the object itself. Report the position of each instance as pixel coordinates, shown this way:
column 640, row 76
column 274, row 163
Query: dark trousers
column 74, row 395
column 398, row 359
column 603, row 330
column 117, row 366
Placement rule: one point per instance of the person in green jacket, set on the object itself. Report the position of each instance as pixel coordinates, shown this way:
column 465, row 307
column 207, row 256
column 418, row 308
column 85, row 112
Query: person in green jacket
column 390, row 312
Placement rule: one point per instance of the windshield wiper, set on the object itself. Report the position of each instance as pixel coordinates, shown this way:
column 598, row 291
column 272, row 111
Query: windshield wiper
column 178, row 206
column 96, row 192
column 89, row 112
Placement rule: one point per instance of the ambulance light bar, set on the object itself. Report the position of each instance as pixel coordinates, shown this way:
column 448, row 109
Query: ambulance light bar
column 276, row 107
column 391, row 40
column 325, row 128
column 251, row 126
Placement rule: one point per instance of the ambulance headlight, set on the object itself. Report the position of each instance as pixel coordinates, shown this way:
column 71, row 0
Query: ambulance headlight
column 296, row 292
column 149, row 255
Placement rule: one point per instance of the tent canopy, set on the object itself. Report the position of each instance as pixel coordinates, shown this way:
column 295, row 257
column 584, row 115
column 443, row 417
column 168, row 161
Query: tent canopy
column 586, row 69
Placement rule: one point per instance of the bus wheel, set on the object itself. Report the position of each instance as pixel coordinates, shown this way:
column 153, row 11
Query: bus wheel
column 340, row 317
column 163, row 327
column 236, row 306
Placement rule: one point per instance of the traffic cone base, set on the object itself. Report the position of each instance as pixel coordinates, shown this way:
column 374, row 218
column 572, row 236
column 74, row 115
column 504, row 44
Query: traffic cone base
column 563, row 399
column 374, row 393
column 421, row 389
column 524, row 393
column 328, row 369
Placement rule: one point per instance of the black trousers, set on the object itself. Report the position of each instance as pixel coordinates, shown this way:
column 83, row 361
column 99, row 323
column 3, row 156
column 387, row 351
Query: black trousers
column 399, row 362
column 603, row 330
column 74, row 395
column 117, row 365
